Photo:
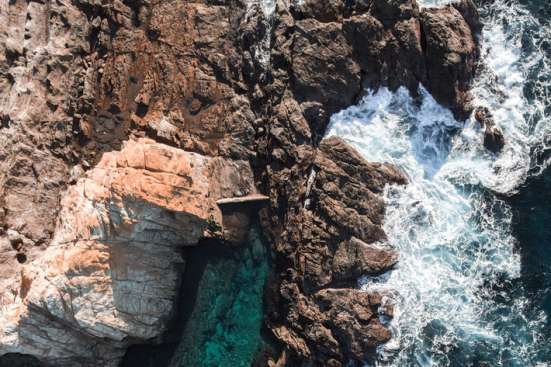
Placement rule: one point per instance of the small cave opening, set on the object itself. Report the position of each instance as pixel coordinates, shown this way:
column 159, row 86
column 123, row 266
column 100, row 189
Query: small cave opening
column 219, row 318
column 141, row 109
column 21, row 258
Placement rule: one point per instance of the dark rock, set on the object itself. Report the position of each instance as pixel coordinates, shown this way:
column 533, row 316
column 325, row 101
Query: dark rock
column 355, row 258
column 352, row 315
column 468, row 10
column 451, row 53
column 323, row 68
column 394, row 10
column 494, row 140
column 387, row 43
column 323, row 11
column 341, row 201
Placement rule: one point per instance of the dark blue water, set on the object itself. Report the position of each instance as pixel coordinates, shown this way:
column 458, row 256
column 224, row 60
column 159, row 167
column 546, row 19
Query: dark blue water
column 532, row 227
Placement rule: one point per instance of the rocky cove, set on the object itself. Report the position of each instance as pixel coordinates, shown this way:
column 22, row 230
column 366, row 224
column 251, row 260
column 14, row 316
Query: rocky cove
column 226, row 182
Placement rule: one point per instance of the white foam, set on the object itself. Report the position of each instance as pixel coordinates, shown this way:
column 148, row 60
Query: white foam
column 454, row 235
column 268, row 6
column 429, row 3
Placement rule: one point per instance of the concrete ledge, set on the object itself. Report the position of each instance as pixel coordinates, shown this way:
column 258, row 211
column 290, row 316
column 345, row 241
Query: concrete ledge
column 249, row 199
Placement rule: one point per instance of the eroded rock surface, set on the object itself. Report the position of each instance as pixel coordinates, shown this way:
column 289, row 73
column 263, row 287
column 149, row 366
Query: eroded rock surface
column 124, row 122
column 111, row 272
column 332, row 238
column 358, row 44
column 493, row 139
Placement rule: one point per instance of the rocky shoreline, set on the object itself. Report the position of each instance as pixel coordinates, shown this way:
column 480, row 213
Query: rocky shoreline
column 125, row 122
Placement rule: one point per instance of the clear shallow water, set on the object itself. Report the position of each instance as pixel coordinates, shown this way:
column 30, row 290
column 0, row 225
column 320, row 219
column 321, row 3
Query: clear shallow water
column 459, row 288
column 219, row 316
column 224, row 321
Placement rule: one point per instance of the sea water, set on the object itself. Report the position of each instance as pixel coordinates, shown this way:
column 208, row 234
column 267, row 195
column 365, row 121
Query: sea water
column 458, row 290
column 223, row 305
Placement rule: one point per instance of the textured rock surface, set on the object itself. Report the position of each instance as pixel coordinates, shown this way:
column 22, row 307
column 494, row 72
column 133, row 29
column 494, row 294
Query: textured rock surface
column 112, row 269
column 493, row 137
column 334, row 236
column 357, row 44
column 93, row 214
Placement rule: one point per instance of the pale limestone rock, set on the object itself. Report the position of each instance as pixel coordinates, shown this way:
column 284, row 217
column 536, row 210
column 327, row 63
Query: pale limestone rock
column 110, row 275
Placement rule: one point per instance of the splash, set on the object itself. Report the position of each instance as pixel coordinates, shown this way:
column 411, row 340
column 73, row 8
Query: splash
column 262, row 50
column 456, row 285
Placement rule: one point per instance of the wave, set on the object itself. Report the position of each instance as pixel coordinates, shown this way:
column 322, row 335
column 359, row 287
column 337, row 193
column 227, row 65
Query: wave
column 455, row 289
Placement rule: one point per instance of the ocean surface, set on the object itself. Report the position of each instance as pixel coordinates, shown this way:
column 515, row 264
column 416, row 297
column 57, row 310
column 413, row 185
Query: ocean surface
column 473, row 229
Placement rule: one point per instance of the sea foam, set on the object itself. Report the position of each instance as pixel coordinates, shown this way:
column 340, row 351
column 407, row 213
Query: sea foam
column 458, row 264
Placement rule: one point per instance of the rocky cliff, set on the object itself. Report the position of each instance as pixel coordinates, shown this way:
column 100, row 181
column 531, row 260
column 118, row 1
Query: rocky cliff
column 123, row 124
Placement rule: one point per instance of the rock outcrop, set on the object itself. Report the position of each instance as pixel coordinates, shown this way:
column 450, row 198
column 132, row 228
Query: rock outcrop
column 362, row 44
column 330, row 240
column 125, row 122
column 111, row 272
column 493, row 139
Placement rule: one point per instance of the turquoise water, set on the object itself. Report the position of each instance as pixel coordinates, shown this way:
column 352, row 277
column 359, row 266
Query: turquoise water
column 224, row 322
column 220, row 310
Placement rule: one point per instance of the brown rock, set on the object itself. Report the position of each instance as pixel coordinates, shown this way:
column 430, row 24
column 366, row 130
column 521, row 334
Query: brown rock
column 323, row 67
column 493, row 140
column 352, row 316
column 355, row 258
column 451, row 56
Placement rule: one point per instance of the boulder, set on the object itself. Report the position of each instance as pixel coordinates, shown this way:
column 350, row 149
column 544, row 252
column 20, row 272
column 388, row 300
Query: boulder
column 451, row 54
column 493, row 139
column 355, row 258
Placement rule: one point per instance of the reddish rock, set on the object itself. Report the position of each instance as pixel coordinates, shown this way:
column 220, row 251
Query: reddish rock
column 230, row 105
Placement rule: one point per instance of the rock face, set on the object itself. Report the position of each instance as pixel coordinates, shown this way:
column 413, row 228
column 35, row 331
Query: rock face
column 335, row 236
column 111, row 271
column 123, row 123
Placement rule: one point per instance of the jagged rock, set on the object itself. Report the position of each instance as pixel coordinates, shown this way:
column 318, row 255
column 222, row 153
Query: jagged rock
column 353, row 318
column 451, row 52
column 343, row 202
column 91, row 228
column 322, row 64
column 355, row 258
column 468, row 10
column 493, row 140
column 394, row 43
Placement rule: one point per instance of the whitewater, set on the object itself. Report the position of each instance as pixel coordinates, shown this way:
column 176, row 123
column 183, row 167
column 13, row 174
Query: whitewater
column 455, row 289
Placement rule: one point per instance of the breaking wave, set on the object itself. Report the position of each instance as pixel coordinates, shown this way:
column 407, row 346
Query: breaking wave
column 456, row 289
